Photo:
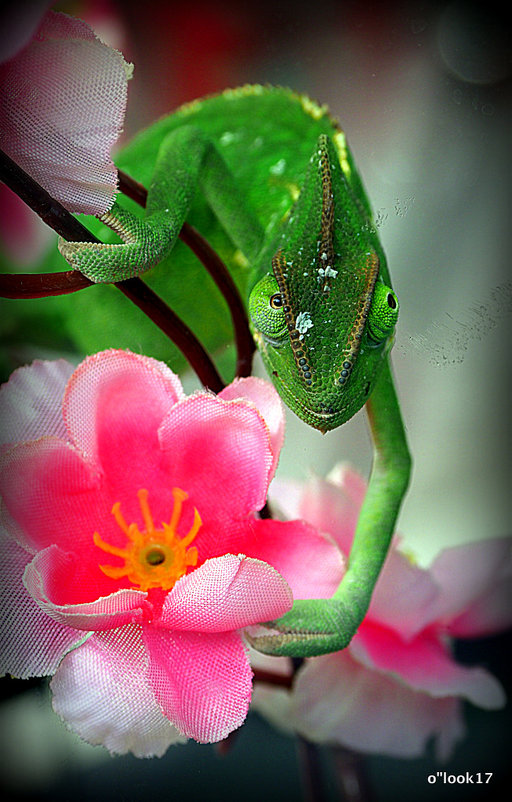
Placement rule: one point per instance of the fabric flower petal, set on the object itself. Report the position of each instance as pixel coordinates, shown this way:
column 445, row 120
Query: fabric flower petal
column 469, row 572
column 62, row 104
column 490, row 613
column 404, row 596
column 201, row 681
column 22, row 622
column 210, row 443
column 30, row 402
column 330, row 507
column 52, row 568
column 313, row 567
column 226, row 593
column 425, row 665
column 338, row 700
column 126, row 396
column 101, row 690
column 49, row 492
column 268, row 403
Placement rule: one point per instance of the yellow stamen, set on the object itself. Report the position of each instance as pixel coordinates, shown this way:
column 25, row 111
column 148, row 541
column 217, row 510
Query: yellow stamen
column 153, row 558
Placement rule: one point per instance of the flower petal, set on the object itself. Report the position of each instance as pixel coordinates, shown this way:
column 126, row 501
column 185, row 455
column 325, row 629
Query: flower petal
column 491, row 613
column 310, row 562
column 101, row 691
column 30, row 402
column 268, row 403
column 404, row 596
column 52, row 497
column 202, row 681
column 62, row 104
column 226, row 593
column 211, row 444
column 339, row 701
column 52, row 570
column 330, row 507
column 32, row 643
column 425, row 665
column 468, row 573
column 114, row 401
column 49, row 492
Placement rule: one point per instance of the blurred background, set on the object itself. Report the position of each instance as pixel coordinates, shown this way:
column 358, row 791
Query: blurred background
column 423, row 93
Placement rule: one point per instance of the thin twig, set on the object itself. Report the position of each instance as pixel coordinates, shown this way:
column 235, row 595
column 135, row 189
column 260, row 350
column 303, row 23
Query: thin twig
column 153, row 306
column 269, row 678
column 311, row 770
column 352, row 779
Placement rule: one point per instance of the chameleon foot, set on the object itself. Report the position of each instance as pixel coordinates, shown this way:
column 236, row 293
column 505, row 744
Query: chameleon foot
column 146, row 241
column 312, row 627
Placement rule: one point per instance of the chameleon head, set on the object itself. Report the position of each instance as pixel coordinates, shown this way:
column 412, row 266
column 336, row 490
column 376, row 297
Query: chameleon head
column 322, row 317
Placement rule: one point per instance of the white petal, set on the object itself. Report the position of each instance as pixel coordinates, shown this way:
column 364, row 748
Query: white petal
column 102, row 693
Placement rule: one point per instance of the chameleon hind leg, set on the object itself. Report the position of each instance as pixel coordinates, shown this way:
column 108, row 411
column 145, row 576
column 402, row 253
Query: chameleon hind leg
column 186, row 159
column 318, row 626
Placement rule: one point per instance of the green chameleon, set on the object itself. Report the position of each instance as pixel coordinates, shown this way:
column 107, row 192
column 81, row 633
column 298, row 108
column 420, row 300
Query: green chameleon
column 269, row 172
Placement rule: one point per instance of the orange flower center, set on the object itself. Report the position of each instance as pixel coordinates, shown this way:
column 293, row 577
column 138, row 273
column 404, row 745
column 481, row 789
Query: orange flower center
column 153, row 558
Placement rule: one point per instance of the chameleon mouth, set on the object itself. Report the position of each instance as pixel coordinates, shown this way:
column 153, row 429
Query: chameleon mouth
column 323, row 420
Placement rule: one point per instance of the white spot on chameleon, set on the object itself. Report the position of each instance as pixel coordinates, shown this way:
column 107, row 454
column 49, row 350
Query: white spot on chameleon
column 303, row 322
column 279, row 167
column 327, row 272
column 228, row 137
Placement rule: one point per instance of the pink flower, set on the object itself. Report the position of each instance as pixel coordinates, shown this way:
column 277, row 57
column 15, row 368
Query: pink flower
column 133, row 555
column 397, row 684
column 62, row 103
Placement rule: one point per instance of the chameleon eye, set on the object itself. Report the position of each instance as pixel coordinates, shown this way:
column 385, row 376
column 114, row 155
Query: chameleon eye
column 266, row 308
column 383, row 313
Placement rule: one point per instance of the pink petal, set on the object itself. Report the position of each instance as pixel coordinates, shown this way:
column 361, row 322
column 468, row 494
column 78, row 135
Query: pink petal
column 268, row 403
column 333, row 508
column 403, row 596
column 62, row 103
column 52, row 571
column 310, row 562
column 219, row 452
column 30, row 402
column 50, row 493
column 424, row 664
column 226, row 593
column 338, row 700
column 202, row 681
column 101, row 691
column 490, row 614
column 469, row 573
column 32, row 643
column 114, row 400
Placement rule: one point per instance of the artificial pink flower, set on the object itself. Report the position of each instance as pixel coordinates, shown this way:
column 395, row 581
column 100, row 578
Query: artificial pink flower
column 397, row 684
column 62, row 104
column 133, row 555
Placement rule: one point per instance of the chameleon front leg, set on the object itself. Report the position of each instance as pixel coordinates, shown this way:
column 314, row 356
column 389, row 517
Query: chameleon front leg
column 318, row 626
column 186, row 160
